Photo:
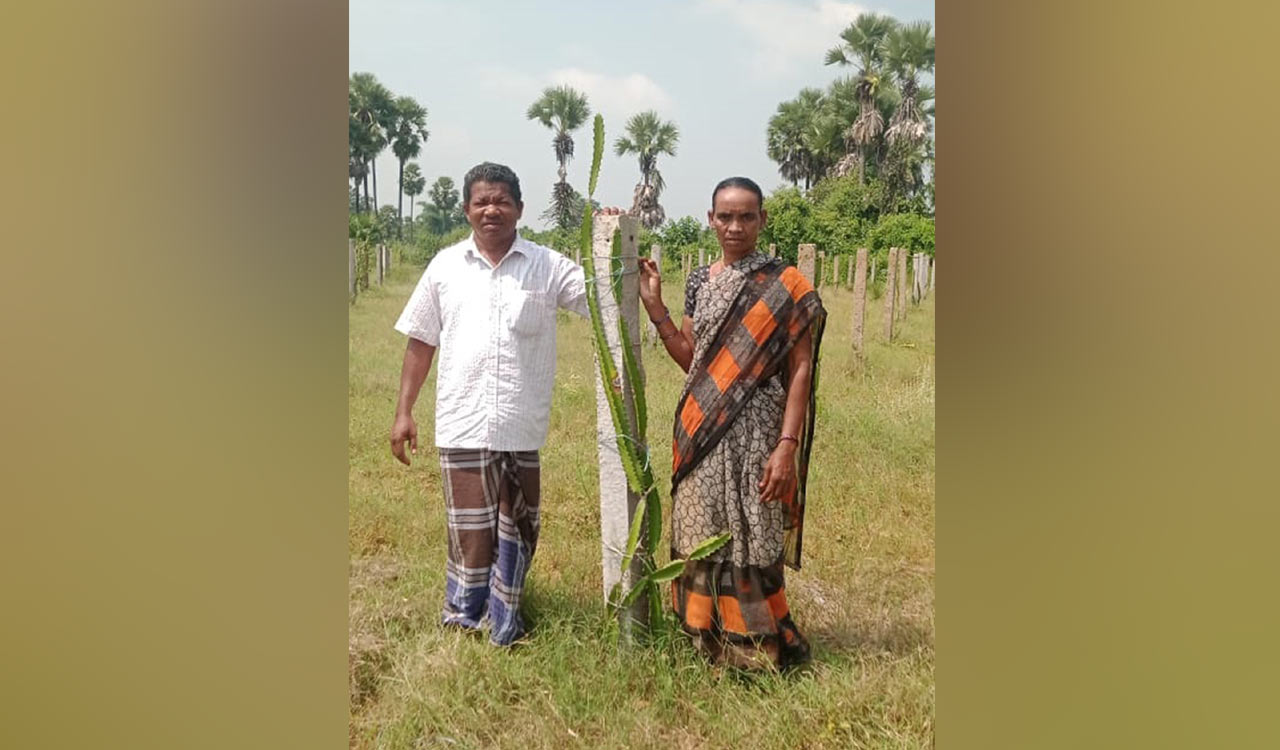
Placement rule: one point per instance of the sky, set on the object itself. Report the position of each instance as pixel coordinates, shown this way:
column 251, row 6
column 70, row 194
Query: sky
column 717, row 68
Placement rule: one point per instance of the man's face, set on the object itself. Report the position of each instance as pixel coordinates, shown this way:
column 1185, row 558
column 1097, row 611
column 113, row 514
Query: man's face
column 737, row 218
column 491, row 211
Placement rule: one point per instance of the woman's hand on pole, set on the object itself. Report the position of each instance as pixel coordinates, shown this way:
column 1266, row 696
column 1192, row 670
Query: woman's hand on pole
column 651, row 288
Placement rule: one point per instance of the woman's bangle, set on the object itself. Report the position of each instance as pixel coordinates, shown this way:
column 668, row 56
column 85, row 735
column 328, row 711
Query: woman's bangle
column 792, row 438
column 664, row 318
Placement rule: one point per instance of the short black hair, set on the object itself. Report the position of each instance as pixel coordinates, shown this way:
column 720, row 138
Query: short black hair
column 746, row 183
column 490, row 172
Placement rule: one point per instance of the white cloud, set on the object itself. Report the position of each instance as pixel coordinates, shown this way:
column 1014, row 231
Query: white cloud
column 507, row 81
column 616, row 97
column 613, row 96
column 789, row 34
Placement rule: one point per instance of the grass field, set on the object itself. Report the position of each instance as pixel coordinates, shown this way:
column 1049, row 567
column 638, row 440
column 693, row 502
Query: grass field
column 864, row 597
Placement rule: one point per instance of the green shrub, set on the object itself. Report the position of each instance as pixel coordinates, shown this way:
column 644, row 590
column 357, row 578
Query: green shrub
column 367, row 232
column 790, row 223
column 427, row 244
column 844, row 211
column 910, row 231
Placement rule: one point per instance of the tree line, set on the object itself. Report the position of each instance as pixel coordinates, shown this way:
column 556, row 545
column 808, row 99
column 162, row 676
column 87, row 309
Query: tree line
column 379, row 119
column 859, row 156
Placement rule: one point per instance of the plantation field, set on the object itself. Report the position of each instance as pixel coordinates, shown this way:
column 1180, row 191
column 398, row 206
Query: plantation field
column 864, row 597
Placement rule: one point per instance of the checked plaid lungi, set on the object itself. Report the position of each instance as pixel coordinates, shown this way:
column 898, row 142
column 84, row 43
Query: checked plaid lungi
column 491, row 504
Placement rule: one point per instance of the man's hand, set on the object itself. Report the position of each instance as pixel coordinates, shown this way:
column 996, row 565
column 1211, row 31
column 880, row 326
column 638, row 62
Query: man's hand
column 404, row 430
column 417, row 363
column 779, row 480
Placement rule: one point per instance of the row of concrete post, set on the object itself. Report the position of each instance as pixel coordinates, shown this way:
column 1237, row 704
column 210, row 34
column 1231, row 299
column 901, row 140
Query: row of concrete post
column 811, row 263
column 357, row 281
column 858, row 275
column 816, row 266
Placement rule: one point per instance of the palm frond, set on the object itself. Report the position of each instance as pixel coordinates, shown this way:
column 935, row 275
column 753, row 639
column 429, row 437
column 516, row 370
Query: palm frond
column 624, row 146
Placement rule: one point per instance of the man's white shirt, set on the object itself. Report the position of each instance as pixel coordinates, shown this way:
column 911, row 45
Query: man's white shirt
column 495, row 332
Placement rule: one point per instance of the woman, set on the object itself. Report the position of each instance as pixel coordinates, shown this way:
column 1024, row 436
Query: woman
column 743, row 429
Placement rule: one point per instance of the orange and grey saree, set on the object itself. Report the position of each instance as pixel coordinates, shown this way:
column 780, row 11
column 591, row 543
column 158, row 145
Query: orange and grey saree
column 746, row 319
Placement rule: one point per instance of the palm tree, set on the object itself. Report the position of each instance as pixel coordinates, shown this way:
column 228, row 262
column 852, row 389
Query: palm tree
column 407, row 136
column 648, row 137
column 906, row 155
column 444, row 194
column 806, row 135
column 788, row 133
column 864, row 44
column 357, row 167
column 439, row 215
column 371, row 104
column 563, row 109
column 360, row 143
column 909, row 52
column 412, row 183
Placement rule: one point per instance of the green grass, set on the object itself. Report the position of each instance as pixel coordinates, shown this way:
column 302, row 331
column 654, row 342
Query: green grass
column 864, row 597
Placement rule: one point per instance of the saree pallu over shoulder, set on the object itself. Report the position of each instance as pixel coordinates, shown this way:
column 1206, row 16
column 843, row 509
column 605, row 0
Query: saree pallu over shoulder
column 770, row 314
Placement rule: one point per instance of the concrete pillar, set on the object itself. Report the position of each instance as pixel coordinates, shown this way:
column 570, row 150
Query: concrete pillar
column 920, row 277
column 859, row 300
column 915, row 278
column 923, row 271
column 890, row 293
column 901, row 297
column 617, row 502
column 351, row 268
column 773, row 250
column 804, row 261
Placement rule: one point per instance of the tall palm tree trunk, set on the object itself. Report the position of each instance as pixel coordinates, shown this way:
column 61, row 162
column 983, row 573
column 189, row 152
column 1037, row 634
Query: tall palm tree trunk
column 374, row 208
column 368, row 207
column 400, row 202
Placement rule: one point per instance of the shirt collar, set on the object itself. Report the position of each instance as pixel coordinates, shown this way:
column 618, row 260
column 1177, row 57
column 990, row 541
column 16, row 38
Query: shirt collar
column 520, row 245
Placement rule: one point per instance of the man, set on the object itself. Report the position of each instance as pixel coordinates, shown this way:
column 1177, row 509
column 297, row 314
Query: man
column 488, row 304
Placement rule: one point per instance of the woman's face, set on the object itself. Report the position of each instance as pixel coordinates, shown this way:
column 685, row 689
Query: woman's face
column 737, row 217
